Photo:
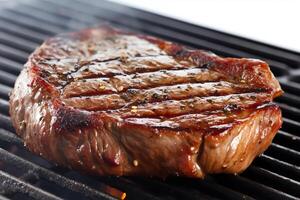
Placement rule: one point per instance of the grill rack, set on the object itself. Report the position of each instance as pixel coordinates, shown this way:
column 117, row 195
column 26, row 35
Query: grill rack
column 25, row 24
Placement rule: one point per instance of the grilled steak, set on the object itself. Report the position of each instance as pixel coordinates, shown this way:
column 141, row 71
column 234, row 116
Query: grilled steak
column 109, row 102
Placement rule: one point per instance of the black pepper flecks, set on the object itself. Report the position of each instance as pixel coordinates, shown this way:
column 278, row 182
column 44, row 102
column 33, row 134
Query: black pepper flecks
column 206, row 65
column 241, row 98
column 125, row 96
column 155, row 96
column 135, row 75
column 209, row 100
column 132, row 91
column 146, row 100
column 45, row 73
column 191, row 74
column 139, row 101
column 229, row 108
column 86, row 70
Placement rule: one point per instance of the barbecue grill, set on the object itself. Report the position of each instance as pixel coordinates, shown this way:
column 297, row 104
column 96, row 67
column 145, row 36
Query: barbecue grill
column 25, row 24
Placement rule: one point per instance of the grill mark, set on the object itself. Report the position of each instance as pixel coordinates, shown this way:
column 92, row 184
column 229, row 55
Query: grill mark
column 132, row 65
column 88, row 66
column 206, row 121
column 146, row 80
column 107, row 49
column 172, row 108
column 56, row 68
column 158, row 94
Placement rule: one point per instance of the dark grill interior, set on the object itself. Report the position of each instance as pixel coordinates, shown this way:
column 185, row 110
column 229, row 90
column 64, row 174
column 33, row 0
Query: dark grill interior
column 25, row 24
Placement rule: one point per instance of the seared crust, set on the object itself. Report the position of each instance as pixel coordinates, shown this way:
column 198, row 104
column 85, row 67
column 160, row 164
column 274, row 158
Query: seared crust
column 114, row 103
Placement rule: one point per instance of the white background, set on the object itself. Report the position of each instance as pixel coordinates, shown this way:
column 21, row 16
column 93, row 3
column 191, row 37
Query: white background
column 275, row 22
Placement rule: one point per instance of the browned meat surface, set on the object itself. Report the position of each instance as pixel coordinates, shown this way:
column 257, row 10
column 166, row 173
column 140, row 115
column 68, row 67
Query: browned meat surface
column 113, row 103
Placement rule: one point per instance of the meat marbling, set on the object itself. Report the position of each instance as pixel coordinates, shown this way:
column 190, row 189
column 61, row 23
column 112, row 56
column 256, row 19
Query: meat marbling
column 109, row 102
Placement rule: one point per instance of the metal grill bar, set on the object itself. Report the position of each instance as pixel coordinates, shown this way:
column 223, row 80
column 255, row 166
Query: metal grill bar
column 3, row 198
column 4, row 90
column 10, row 137
column 25, row 33
column 285, row 154
column 281, row 167
column 290, row 86
column 45, row 17
column 292, row 112
column 13, row 54
column 273, row 180
column 248, row 186
column 6, row 123
column 288, row 140
column 22, row 44
column 4, row 106
column 276, row 174
column 48, row 7
column 7, row 78
column 52, row 177
column 10, row 66
column 30, row 24
column 14, row 185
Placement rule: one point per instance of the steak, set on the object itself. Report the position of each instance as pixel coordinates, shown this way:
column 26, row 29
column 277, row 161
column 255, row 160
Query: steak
column 109, row 102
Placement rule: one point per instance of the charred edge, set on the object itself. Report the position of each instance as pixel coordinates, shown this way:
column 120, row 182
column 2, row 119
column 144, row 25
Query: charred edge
column 231, row 67
column 70, row 120
column 200, row 58
column 45, row 74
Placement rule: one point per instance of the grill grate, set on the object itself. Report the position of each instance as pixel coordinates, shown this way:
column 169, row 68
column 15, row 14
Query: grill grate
column 25, row 24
